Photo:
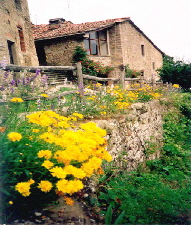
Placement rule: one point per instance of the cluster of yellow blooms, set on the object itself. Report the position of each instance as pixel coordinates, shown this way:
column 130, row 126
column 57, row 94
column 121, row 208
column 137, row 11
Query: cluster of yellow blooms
column 123, row 98
column 82, row 148
column 16, row 99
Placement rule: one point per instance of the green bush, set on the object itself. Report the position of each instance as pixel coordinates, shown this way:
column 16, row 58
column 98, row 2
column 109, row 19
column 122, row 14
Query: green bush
column 79, row 54
column 176, row 72
column 89, row 66
column 131, row 73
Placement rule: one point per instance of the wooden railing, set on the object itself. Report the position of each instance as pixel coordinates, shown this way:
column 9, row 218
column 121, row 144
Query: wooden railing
column 77, row 68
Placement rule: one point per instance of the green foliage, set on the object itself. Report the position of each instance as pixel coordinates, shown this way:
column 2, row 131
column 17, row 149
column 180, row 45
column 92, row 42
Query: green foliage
column 176, row 72
column 108, row 218
column 95, row 68
column 89, row 66
column 79, row 54
column 145, row 199
column 159, row 193
column 131, row 73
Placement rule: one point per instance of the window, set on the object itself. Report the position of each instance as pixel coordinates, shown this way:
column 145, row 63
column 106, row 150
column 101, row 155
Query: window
column 95, row 43
column 18, row 4
column 153, row 65
column 22, row 41
column 10, row 46
column 142, row 50
column 142, row 73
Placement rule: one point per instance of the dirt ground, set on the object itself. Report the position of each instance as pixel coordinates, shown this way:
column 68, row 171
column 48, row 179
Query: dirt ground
column 77, row 214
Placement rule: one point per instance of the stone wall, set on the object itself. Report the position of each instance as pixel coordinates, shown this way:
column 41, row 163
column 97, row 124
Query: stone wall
column 59, row 52
column 16, row 33
column 136, row 136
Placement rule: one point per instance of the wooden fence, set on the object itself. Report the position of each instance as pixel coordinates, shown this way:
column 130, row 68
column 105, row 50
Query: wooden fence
column 77, row 71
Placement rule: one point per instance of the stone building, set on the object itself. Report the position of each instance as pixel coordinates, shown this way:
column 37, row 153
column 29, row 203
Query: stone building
column 16, row 39
column 113, row 42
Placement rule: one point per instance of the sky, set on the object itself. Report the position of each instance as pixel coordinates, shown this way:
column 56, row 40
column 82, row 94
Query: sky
column 166, row 22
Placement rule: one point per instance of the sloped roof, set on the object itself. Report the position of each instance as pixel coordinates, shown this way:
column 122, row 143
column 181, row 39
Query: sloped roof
column 67, row 28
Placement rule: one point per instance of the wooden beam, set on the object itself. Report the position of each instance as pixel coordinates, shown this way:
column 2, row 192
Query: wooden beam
column 16, row 68
column 99, row 78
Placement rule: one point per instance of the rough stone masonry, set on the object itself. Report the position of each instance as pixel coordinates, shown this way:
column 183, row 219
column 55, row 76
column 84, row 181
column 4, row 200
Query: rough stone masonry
column 136, row 136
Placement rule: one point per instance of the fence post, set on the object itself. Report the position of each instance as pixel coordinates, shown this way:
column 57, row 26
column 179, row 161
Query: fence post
column 80, row 79
column 141, row 82
column 122, row 77
column 153, row 82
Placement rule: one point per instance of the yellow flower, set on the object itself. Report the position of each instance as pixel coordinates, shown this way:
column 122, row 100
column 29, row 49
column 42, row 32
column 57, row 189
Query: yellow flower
column 24, row 188
column 93, row 164
column 176, row 85
column 48, row 137
column 10, row 202
column 44, row 95
column 47, row 164
column 68, row 200
column 70, row 186
column 78, row 115
column 98, row 85
column 16, row 100
column 76, row 172
column 103, row 113
column 45, row 154
column 45, row 186
column 43, row 119
column 58, row 172
column 31, row 181
column 156, row 95
column 14, row 136
column 35, row 130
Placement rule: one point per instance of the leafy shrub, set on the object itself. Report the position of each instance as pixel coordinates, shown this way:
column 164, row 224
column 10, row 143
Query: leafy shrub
column 89, row 66
column 95, row 68
column 145, row 199
column 176, row 72
column 131, row 73
column 79, row 54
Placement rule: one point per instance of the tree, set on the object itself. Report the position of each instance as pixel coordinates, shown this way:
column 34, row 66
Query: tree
column 176, row 72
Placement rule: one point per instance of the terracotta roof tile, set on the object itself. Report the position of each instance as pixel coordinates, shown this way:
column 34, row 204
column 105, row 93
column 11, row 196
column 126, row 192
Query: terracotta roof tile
column 67, row 28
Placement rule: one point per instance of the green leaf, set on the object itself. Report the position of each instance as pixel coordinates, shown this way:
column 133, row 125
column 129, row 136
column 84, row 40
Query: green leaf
column 108, row 218
column 119, row 218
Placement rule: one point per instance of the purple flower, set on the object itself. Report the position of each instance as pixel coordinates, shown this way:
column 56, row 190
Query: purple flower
column 12, row 90
column 18, row 81
column 34, row 76
column 23, row 81
column 6, row 74
column 2, row 88
column 3, row 63
column 12, row 83
column 27, row 80
column 37, row 72
column 81, row 86
column 44, row 79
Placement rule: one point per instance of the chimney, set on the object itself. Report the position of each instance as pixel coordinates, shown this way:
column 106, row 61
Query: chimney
column 55, row 23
